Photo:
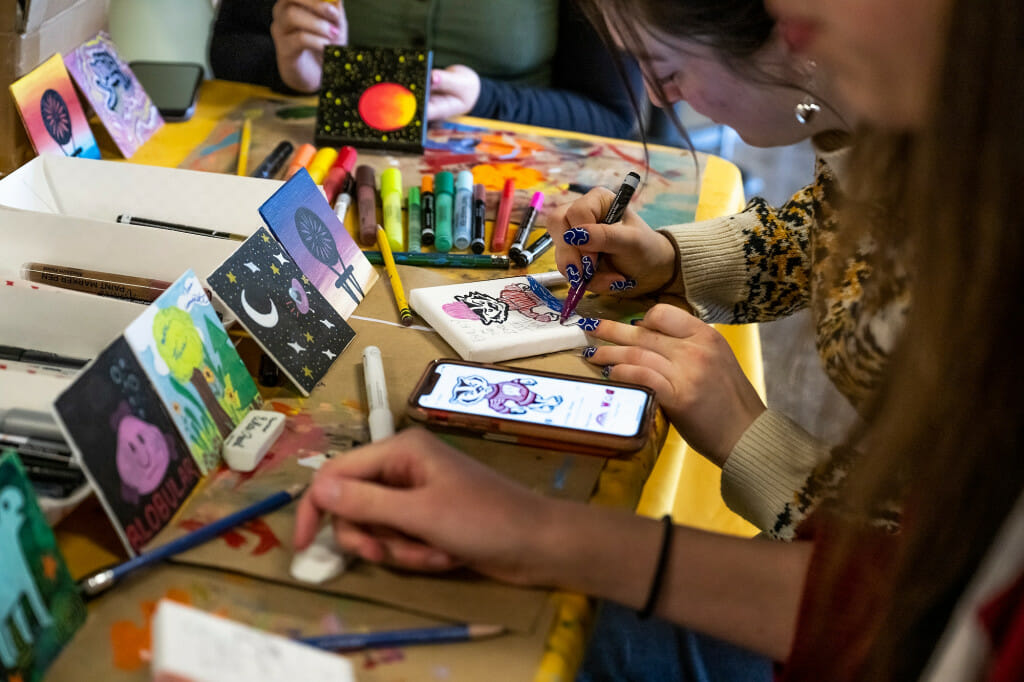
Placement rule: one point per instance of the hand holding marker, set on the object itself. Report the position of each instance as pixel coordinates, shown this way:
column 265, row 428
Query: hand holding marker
column 614, row 215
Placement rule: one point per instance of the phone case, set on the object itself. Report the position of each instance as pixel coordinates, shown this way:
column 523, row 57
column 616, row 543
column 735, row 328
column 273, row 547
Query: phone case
column 501, row 397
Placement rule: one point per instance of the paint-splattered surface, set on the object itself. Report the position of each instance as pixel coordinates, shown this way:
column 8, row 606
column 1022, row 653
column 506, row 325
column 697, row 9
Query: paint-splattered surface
column 115, row 646
column 547, row 163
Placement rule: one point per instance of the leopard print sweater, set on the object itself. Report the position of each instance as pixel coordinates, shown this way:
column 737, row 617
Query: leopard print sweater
column 766, row 263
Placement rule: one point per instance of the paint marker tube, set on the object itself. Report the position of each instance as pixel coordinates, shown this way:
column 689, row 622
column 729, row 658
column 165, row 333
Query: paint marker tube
column 444, row 186
column 501, row 219
column 391, row 203
column 427, row 210
column 321, row 163
column 413, row 239
column 303, row 155
column 381, row 420
column 526, row 225
column 339, row 177
column 477, row 244
column 533, row 251
column 366, row 199
column 463, row 209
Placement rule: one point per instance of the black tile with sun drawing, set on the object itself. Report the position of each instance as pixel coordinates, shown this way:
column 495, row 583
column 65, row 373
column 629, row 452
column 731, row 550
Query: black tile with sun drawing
column 373, row 97
column 281, row 310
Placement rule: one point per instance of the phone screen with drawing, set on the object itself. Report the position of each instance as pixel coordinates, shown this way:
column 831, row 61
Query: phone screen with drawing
column 514, row 404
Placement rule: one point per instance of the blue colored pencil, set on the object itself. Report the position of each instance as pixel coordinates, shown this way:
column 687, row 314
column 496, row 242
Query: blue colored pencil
column 431, row 635
column 103, row 580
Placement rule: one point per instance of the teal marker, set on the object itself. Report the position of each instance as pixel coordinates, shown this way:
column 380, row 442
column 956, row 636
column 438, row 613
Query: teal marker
column 444, row 190
column 391, row 203
column 414, row 219
column 463, row 209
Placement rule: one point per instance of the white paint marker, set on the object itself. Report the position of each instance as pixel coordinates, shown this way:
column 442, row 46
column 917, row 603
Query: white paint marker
column 382, row 422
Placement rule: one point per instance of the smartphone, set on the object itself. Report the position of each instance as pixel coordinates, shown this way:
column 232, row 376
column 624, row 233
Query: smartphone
column 173, row 86
column 531, row 407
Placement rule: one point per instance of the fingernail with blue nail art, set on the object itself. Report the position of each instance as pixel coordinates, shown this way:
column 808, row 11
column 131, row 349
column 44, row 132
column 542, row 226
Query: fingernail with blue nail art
column 572, row 273
column 589, row 351
column 606, row 371
column 588, row 324
column 588, row 267
column 623, row 285
column 576, row 236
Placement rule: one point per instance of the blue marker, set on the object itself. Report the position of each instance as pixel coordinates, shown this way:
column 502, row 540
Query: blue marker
column 463, row 209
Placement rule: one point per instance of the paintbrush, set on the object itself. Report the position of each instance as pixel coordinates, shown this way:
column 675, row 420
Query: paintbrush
column 104, row 579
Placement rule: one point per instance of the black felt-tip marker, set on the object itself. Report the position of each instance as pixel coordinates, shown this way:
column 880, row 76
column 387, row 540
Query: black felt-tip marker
column 526, row 225
column 479, row 218
column 271, row 165
column 427, row 210
column 534, row 251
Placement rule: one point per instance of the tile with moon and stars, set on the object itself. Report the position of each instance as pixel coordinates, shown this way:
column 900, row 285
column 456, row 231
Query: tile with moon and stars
column 281, row 309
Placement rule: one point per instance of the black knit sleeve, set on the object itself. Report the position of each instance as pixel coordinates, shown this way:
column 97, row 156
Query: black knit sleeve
column 241, row 48
column 587, row 93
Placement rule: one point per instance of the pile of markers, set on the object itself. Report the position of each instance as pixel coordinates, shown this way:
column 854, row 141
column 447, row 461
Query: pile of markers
column 447, row 211
column 44, row 454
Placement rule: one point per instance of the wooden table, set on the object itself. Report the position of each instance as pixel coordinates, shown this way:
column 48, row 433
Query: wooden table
column 113, row 640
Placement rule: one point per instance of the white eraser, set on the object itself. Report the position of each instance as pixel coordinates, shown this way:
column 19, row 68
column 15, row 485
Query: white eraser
column 321, row 561
column 245, row 446
column 189, row 644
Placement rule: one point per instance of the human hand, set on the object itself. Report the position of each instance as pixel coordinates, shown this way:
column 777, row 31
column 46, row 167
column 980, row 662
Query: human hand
column 412, row 501
column 301, row 29
column 698, row 381
column 453, row 92
column 634, row 259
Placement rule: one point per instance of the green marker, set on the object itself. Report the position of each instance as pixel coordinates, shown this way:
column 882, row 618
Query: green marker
column 444, row 195
column 443, row 260
column 413, row 241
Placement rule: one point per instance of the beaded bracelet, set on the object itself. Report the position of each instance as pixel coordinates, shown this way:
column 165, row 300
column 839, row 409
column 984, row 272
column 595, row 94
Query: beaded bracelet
column 659, row 568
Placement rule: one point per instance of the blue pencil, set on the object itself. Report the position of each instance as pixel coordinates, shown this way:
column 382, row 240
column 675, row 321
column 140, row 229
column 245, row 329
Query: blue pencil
column 431, row 635
column 104, row 579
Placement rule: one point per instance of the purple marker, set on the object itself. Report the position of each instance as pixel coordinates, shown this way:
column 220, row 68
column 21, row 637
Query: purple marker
column 525, row 225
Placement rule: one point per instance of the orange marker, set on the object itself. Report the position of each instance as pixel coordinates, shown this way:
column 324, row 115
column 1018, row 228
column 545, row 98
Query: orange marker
column 301, row 159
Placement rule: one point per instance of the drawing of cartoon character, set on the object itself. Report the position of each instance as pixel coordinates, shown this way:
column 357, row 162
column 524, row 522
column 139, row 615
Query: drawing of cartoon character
column 487, row 309
column 143, row 454
column 504, row 397
column 17, row 582
column 109, row 76
column 520, row 298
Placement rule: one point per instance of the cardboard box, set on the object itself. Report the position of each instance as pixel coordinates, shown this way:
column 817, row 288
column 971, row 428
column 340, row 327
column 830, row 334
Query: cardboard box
column 62, row 211
column 28, row 37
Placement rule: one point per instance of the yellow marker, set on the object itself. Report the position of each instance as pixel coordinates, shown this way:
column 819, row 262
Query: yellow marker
column 321, row 163
column 243, row 146
column 404, row 311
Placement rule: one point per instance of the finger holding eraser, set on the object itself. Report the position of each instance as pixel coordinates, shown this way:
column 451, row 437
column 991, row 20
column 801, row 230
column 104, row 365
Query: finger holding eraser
column 246, row 446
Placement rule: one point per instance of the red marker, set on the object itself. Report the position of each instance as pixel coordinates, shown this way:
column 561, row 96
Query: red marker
column 340, row 174
column 501, row 220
